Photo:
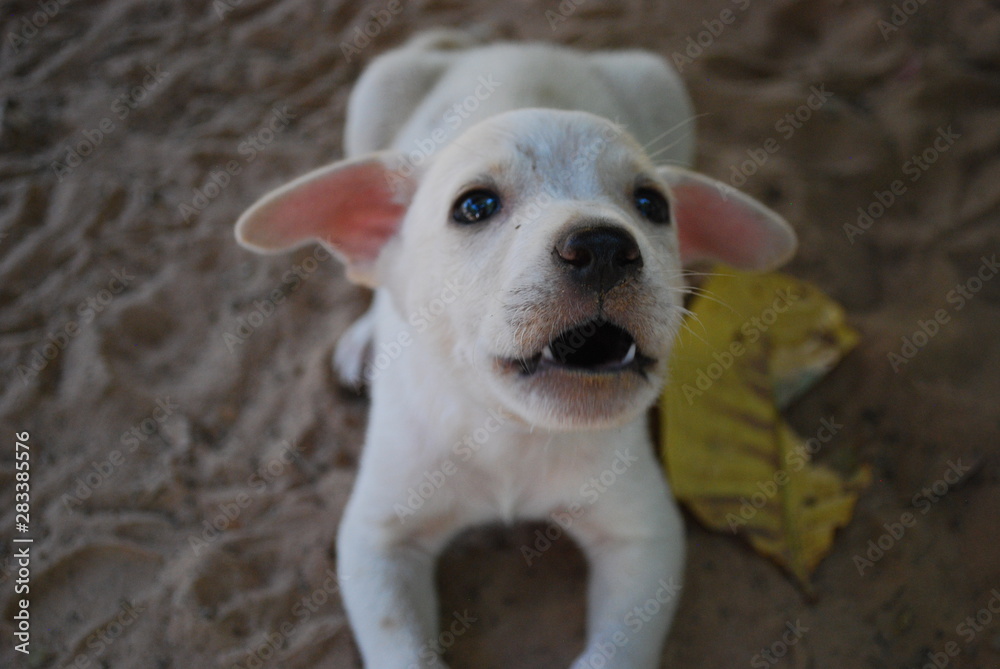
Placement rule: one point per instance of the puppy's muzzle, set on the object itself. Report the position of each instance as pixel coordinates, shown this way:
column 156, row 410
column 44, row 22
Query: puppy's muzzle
column 599, row 257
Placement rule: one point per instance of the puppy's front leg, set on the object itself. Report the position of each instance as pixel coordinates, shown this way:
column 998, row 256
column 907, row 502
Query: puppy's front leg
column 388, row 591
column 635, row 546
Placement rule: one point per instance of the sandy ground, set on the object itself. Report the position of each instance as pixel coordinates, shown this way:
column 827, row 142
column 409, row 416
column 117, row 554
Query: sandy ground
column 133, row 134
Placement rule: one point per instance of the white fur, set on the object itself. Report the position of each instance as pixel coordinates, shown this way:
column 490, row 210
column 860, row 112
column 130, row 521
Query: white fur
column 453, row 301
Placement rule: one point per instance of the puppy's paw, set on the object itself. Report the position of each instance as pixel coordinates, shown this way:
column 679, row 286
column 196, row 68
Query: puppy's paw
column 353, row 352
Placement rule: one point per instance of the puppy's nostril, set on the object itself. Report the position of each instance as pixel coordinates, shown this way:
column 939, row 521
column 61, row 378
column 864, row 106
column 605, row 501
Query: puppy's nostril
column 601, row 257
column 574, row 253
column 629, row 254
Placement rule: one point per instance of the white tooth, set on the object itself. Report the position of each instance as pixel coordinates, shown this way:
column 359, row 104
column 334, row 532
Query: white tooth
column 547, row 354
column 630, row 356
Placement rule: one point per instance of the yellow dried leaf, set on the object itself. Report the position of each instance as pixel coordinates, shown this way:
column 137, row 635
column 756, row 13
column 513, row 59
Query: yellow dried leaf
column 753, row 344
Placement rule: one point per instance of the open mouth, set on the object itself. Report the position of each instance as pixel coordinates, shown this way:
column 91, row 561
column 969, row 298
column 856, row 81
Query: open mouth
column 594, row 347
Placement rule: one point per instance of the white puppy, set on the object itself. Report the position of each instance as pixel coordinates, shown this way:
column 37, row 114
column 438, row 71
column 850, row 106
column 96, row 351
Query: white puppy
column 527, row 255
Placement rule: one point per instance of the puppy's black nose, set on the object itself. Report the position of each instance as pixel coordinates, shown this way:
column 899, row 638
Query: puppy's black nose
column 600, row 257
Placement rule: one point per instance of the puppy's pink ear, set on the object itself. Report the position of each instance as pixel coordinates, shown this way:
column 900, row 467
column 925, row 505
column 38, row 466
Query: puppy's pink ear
column 719, row 223
column 353, row 206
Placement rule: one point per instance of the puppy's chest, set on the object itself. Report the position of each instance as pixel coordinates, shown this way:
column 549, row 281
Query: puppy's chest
column 511, row 481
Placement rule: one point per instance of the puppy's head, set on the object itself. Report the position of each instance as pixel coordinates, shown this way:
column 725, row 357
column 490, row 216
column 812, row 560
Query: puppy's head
column 539, row 256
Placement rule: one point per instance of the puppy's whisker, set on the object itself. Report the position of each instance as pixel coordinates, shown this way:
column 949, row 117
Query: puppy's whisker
column 708, row 295
column 675, row 128
column 694, row 334
column 689, row 319
column 665, row 148
column 688, row 272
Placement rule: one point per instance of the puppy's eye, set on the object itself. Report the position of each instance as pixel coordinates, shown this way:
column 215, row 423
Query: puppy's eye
column 475, row 206
column 652, row 205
